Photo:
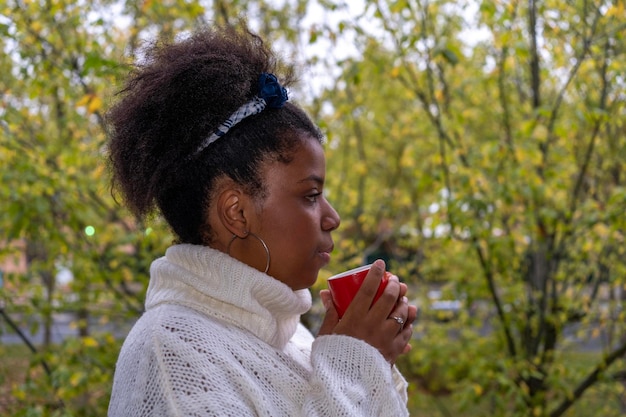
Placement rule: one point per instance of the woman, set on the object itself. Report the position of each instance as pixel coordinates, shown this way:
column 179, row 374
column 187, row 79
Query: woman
column 204, row 135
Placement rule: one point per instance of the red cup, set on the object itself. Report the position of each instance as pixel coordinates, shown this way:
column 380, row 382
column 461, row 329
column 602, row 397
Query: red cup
column 344, row 286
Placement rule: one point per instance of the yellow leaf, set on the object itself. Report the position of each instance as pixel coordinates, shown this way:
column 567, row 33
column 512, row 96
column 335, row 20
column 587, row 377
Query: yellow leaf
column 395, row 72
column 616, row 10
column 478, row 390
column 602, row 230
column 36, row 26
column 19, row 394
column 76, row 379
column 98, row 171
column 359, row 168
column 90, row 342
column 540, row 132
column 84, row 100
column 95, row 104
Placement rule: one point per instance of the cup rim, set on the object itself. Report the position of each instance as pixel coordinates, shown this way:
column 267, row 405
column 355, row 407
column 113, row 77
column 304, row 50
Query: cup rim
column 350, row 272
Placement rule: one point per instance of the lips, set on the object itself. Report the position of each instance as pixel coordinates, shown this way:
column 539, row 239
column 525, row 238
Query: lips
column 325, row 253
column 328, row 249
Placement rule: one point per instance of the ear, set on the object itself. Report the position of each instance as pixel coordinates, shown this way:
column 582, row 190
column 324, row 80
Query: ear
column 231, row 210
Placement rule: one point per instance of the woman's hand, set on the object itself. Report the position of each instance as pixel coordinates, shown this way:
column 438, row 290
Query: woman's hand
column 387, row 325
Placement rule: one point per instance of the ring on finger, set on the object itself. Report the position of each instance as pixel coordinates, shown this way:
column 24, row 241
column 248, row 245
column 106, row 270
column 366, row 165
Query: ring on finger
column 398, row 320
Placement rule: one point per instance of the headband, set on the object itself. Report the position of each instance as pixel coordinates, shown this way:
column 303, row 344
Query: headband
column 271, row 94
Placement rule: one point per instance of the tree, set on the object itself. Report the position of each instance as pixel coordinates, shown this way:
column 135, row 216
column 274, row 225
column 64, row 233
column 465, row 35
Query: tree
column 62, row 62
column 490, row 168
column 500, row 164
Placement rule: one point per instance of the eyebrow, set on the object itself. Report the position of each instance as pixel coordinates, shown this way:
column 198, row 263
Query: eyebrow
column 315, row 178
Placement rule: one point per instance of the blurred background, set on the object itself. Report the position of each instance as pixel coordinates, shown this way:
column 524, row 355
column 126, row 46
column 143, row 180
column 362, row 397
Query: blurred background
column 479, row 147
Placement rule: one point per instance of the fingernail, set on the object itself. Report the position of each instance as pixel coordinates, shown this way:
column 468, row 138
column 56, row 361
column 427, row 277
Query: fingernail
column 379, row 263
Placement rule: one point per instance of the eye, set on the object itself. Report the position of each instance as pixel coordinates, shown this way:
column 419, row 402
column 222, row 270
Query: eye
column 313, row 197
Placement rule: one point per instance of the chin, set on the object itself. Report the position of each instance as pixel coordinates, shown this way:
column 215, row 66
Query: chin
column 306, row 283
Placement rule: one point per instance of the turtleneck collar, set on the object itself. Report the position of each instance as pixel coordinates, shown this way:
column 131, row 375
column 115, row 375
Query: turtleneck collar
column 220, row 286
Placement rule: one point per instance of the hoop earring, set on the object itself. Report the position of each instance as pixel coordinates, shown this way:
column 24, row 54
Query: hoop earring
column 267, row 251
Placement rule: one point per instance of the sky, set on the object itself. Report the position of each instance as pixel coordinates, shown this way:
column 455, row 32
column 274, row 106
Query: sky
column 345, row 47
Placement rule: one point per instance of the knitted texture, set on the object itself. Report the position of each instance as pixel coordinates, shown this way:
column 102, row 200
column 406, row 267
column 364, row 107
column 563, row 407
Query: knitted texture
column 219, row 338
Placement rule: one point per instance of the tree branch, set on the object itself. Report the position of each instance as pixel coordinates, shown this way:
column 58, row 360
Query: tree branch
column 24, row 339
column 494, row 295
column 561, row 94
column 591, row 379
column 534, row 55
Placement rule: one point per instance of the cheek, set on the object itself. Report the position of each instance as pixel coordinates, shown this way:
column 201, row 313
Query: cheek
column 291, row 233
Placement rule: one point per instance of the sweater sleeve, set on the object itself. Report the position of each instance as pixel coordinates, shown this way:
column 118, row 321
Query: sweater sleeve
column 351, row 378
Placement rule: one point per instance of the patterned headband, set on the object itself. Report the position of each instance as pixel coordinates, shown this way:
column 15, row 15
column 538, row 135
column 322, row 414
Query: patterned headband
column 271, row 94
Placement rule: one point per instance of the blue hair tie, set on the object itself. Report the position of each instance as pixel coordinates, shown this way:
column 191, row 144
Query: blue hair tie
column 274, row 94
column 271, row 94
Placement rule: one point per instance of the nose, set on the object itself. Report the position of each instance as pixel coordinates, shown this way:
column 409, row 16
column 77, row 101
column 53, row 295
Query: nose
column 330, row 218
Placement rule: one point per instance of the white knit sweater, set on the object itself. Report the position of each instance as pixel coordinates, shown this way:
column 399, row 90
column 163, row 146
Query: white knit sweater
column 219, row 338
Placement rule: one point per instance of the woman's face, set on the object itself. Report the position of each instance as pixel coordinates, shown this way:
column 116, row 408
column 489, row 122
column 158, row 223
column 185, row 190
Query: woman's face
column 296, row 220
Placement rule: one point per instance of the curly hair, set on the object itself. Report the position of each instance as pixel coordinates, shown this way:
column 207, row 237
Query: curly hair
column 175, row 98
